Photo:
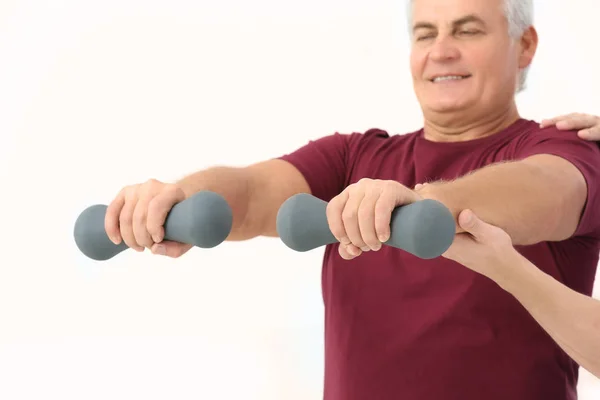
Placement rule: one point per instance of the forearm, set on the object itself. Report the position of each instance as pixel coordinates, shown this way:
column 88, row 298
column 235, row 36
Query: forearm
column 570, row 318
column 234, row 184
column 530, row 203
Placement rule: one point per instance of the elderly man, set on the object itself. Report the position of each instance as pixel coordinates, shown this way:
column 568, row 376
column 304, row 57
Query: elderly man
column 400, row 327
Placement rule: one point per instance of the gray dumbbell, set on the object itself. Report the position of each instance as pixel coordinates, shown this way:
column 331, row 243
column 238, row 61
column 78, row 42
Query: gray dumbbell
column 203, row 220
column 425, row 228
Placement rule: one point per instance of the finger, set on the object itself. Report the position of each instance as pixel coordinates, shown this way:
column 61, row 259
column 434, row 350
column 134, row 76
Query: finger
column 366, row 221
column 393, row 195
column 349, row 252
column 576, row 122
column 142, row 237
column 159, row 208
column 552, row 121
column 383, row 215
column 111, row 219
column 591, row 134
column 350, row 219
column 334, row 217
column 126, row 224
column 170, row 249
column 473, row 225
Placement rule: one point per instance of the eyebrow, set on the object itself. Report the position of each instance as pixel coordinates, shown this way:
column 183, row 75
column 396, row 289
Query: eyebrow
column 458, row 22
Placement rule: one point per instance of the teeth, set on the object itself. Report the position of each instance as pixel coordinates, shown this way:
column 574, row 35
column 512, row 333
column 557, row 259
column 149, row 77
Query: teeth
column 448, row 78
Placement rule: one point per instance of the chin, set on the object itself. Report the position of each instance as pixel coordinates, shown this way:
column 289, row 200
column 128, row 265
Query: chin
column 448, row 106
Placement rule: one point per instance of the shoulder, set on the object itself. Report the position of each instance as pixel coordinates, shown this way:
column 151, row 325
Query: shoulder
column 532, row 139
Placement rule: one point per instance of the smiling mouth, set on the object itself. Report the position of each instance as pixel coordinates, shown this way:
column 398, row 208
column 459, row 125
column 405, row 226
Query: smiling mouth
column 447, row 78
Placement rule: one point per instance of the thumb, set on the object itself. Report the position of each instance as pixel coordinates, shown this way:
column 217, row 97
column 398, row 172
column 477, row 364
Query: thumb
column 170, row 249
column 472, row 224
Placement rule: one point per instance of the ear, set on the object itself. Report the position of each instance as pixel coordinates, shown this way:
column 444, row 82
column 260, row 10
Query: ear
column 529, row 43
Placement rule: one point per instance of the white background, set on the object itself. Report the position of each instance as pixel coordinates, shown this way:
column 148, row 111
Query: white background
column 95, row 95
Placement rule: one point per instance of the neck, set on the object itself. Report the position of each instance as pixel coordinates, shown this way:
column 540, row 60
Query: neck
column 441, row 128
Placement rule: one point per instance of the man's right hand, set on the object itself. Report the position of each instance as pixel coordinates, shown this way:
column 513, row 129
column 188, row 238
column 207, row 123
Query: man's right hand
column 137, row 215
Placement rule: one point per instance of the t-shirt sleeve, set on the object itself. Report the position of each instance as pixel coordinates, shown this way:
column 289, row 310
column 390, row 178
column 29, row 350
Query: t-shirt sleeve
column 584, row 155
column 324, row 163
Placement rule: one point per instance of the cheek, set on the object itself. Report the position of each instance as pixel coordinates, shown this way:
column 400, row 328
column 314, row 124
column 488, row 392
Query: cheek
column 417, row 61
column 497, row 67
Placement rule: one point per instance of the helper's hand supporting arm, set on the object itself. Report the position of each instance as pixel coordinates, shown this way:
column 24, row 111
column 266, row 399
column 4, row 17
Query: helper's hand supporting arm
column 570, row 318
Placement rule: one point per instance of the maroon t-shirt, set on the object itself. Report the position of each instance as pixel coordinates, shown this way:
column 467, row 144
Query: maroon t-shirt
column 400, row 327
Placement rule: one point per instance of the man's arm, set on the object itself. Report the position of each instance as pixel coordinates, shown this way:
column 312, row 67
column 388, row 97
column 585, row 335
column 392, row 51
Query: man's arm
column 254, row 193
column 540, row 198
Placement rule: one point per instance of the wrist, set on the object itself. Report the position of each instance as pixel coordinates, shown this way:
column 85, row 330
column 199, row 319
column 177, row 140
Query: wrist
column 438, row 191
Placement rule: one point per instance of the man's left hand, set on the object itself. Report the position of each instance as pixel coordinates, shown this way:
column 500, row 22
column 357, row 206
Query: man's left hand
column 360, row 216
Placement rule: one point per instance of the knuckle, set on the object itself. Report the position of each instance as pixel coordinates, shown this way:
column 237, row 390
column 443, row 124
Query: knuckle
column 171, row 190
column 353, row 188
column 155, row 206
column 330, row 206
column 349, row 213
column 130, row 242
column 337, row 230
column 382, row 208
column 150, row 187
column 140, row 238
column 155, row 231
column 332, row 210
column 139, row 212
column 344, row 253
column 130, row 191
column 126, row 218
column 124, row 191
column 364, row 213
column 152, row 183
column 390, row 185
column 372, row 242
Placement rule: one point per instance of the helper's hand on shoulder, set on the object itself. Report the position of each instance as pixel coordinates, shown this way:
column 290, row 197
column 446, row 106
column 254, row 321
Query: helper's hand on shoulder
column 587, row 125
column 360, row 216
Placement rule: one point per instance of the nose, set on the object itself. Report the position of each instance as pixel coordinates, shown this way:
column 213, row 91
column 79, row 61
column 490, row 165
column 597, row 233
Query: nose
column 444, row 49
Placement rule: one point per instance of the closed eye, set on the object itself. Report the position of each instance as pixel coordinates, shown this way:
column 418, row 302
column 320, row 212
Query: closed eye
column 469, row 33
column 424, row 37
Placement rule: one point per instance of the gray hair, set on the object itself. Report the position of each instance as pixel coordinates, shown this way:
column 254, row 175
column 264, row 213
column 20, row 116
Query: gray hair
column 519, row 14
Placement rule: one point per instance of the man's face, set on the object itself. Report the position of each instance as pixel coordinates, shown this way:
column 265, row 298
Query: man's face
column 462, row 58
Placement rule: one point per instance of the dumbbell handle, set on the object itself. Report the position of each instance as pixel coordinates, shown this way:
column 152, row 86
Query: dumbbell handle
column 203, row 220
column 425, row 228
